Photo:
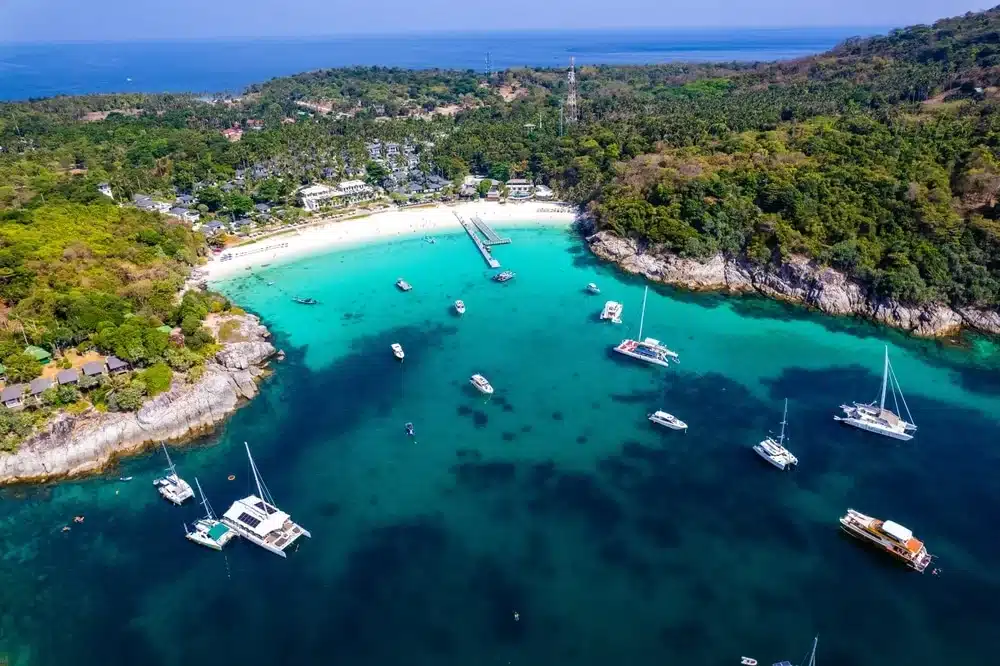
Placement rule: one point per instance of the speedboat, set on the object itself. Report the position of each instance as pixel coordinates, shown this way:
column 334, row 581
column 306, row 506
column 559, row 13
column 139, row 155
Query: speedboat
column 403, row 285
column 612, row 312
column 505, row 276
column 305, row 301
column 667, row 420
column 481, row 384
column 409, row 429
column 460, row 307
column 397, row 350
column 592, row 288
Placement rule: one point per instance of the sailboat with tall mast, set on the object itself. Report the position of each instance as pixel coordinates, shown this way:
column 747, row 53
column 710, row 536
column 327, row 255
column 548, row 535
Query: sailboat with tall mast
column 258, row 520
column 775, row 452
column 172, row 487
column 880, row 420
column 812, row 656
column 208, row 531
column 646, row 350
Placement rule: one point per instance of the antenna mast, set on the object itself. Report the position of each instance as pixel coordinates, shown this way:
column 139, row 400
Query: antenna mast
column 571, row 101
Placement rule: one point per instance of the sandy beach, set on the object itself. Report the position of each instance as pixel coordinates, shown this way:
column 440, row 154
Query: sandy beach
column 385, row 225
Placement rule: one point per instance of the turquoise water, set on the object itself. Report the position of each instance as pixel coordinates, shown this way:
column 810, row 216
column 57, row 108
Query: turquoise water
column 613, row 541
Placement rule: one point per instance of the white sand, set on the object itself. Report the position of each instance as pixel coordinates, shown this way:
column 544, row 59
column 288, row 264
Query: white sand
column 386, row 225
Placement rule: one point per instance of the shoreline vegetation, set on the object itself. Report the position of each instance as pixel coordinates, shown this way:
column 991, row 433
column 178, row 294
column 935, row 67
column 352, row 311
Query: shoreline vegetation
column 862, row 181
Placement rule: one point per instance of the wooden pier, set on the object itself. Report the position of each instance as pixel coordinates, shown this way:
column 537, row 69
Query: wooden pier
column 492, row 237
column 483, row 249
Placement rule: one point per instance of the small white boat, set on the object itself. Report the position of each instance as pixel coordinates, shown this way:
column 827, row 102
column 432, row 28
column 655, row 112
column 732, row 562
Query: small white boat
column 403, row 285
column 125, row 478
column 172, row 487
column 481, row 384
column 748, row 661
column 460, row 307
column 667, row 420
column 397, row 350
column 612, row 312
column 593, row 288
column 209, row 531
column 775, row 452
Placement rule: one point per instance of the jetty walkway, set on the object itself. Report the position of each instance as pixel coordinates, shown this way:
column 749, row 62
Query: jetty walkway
column 492, row 237
column 470, row 228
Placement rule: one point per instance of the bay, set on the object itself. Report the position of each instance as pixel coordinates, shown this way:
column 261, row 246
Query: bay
column 613, row 541
column 229, row 65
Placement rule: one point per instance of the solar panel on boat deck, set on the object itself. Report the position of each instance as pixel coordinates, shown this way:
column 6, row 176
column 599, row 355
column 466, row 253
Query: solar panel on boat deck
column 249, row 520
column 266, row 508
column 784, row 663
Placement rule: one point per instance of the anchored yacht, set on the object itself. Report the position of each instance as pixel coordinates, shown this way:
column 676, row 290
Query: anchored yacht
column 403, row 285
column 460, row 307
column 481, row 384
column 775, row 452
column 505, row 276
column 880, row 420
column 667, row 420
column 612, row 312
column 397, row 351
column 593, row 288
column 172, row 487
column 209, row 531
column 892, row 537
column 258, row 520
column 648, row 350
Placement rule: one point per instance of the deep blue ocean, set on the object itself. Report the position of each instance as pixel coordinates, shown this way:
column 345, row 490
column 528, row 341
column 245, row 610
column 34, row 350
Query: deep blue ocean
column 228, row 65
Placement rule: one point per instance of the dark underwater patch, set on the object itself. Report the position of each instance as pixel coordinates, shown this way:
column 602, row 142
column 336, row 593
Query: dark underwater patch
column 481, row 476
column 508, row 436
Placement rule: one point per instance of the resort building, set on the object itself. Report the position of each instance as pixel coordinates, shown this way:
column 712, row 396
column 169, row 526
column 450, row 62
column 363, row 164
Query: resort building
column 115, row 365
column 391, row 149
column 185, row 214
column 542, row 192
column 39, row 385
column 519, row 188
column 356, row 191
column 375, row 150
column 93, row 369
column 68, row 377
column 12, row 397
column 233, row 134
column 39, row 354
column 314, row 195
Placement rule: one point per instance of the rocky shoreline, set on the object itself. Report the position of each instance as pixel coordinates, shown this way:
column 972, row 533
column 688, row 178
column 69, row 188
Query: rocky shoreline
column 800, row 280
column 75, row 445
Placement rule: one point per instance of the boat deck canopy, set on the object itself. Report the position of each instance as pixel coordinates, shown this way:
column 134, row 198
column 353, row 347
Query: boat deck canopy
column 256, row 515
column 897, row 531
column 217, row 532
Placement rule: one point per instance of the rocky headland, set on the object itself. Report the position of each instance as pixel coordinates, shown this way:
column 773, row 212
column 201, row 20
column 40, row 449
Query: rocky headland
column 799, row 280
column 74, row 445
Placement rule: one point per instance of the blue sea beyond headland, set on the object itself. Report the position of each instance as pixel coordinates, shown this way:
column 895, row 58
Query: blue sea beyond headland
column 229, row 65
column 612, row 541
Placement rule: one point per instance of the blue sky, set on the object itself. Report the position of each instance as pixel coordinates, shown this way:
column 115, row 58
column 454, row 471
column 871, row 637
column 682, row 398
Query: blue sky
column 123, row 20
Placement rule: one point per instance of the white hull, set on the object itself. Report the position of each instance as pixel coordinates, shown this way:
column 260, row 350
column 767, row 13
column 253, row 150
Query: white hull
column 642, row 357
column 459, row 307
column 854, row 524
column 277, row 549
column 675, row 424
column 486, row 389
column 777, row 462
column 175, row 490
column 874, row 428
column 202, row 540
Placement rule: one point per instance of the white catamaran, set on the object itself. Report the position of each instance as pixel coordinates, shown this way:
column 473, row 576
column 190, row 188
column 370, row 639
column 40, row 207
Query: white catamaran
column 648, row 350
column 775, row 452
column 172, row 487
column 880, row 420
column 812, row 657
column 208, row 531
column 256, row 519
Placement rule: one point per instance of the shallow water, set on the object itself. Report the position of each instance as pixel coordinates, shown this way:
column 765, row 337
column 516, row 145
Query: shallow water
column 614, row 542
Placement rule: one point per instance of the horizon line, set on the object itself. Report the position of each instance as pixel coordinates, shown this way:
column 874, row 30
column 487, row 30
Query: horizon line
column 870, row 30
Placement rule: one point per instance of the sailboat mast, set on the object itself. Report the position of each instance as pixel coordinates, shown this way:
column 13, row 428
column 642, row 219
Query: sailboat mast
column 812, row 657
column 204, row 500
column 885, row 377
column 642, row 317
column 784, row 421
column 170, row 463
column 256, row 476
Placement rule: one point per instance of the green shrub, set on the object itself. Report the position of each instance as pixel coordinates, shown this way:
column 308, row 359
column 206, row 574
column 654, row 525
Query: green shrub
column 157, row 378
column 21, row 367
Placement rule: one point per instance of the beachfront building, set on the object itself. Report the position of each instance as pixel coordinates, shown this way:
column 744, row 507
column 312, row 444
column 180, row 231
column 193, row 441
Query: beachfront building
column 38, row 386
column 519, row 188
column 356, row 191
column 315, row 195
column 542, row 192
column 115, row 365
column 93, row 369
